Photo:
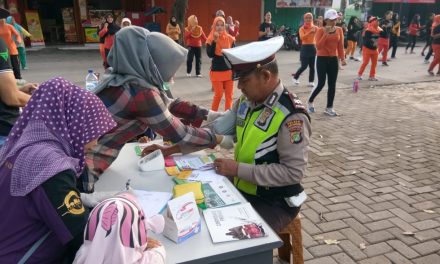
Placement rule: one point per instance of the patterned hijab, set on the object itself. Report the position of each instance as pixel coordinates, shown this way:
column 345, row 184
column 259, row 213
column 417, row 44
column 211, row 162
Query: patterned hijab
column 50, row 135
column 116, row 232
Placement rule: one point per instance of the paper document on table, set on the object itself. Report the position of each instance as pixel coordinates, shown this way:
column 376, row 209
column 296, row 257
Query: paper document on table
column 152, row 203
column 218, row 194
column 205, row 176
column 194, row 162
column 236, row 222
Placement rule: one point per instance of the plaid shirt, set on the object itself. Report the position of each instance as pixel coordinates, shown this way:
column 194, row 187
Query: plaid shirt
column 135, row 109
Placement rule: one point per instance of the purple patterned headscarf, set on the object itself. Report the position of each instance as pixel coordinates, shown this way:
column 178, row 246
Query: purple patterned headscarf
column 50, row 135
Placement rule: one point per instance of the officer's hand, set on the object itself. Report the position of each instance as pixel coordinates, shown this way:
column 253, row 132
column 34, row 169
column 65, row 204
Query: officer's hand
column 226, row 167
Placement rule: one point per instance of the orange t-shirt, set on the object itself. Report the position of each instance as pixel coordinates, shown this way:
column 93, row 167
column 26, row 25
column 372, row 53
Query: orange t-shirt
column 307, row 36
column 6, row 32
column 330, row 44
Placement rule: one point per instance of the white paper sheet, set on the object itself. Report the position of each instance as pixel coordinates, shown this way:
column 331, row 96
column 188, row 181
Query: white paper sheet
column 152, row 203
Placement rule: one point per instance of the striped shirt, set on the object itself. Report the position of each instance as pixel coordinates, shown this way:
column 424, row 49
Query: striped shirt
column 135, row 109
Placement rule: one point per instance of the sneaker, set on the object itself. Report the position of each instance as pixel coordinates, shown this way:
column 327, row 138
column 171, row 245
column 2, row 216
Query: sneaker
column 26, row 68
column 199, row 76
column 188, row 75
column 426, row 61
column 295, row 81
column 423, row 54
column 385, row 63
column 310, row 107
column 431, row 73
column 351, row 58
column 359, row 78
column 393, row 58
column 356, row 59
column 311, row 84
column 373, row 79
column 330, row 112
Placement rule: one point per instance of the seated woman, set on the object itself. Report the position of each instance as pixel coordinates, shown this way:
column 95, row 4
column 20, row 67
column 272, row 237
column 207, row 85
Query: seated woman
column 39, row 164
column 134, row 94
column 117, row 233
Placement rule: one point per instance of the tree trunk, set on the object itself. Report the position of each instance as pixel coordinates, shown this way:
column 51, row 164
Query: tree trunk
column 179, row 11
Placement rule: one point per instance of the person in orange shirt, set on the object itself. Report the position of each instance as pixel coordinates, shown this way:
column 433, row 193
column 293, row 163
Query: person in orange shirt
column 370, row 48
column 194, row 36
column 173, row 29
column 6, row 33
column 308, row 49
column 330, row 45
column 221, row 73
column 108, row 33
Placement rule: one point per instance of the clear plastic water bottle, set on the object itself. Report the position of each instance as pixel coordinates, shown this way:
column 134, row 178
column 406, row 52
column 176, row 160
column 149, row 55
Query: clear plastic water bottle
column 356, row 86
column 91, row 81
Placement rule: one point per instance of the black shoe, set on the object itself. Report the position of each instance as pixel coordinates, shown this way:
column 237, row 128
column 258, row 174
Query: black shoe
column 385, row 64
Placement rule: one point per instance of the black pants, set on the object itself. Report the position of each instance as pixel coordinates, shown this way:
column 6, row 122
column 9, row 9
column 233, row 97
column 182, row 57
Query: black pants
column 429, row 54
column 106, row 65
column 411, row 42
column 326, row 67
column 393, row 45
column 275, row 212
column 15, row 63
column 306, row 62
column 197, row 52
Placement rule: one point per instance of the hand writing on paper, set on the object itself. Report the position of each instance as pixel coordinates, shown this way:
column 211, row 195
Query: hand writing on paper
column 226, row 167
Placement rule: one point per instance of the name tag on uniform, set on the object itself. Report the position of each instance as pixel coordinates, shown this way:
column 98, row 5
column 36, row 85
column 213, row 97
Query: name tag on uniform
column 264, row 119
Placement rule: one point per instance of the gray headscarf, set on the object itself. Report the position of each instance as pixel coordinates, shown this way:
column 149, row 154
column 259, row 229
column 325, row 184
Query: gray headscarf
column 142, row 57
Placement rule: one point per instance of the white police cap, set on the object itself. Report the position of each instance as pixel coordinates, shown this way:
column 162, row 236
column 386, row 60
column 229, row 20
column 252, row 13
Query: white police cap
column 246, row 58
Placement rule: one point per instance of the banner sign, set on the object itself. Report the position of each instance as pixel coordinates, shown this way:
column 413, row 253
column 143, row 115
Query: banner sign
column 34, row 27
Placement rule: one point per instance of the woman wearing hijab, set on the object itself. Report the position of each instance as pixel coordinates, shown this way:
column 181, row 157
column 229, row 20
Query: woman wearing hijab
column 370, row 48
column 7, row 32
column 435, row 34
column 194, row 37
column 134, row 93
column 108, row 33
column 221, row 73
column 173, row 29
column 20, row 45
column 124, row 240
column 352, row 30
column 308, row 49
column 330, row 46
column 126, row 22
column 39, row 166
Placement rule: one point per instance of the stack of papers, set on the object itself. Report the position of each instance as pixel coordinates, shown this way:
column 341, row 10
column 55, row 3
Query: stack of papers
column 236, row 222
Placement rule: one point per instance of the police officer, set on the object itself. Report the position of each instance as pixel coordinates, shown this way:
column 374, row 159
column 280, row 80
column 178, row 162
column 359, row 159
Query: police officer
column 272, row 130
